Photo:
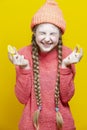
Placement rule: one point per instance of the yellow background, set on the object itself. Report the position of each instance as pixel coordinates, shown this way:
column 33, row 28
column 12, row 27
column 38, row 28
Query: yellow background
column 15, row 18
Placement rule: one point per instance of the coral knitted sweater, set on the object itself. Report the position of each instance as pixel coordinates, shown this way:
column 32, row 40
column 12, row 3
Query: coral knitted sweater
column 24, row 90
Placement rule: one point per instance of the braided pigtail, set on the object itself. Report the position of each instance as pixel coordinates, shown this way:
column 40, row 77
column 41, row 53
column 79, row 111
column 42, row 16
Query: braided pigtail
column 36, row 81
column 59, row 118
column 35, row 57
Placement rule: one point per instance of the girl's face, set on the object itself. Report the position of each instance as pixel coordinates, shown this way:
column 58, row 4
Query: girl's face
column 47, row 36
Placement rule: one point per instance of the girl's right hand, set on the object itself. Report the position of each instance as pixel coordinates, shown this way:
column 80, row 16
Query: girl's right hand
column 18, row 59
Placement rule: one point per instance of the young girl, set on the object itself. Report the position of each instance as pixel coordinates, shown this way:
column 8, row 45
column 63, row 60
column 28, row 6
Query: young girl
column 45, row 73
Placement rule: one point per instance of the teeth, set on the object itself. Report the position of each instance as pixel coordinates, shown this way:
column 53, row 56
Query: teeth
column 46, row 43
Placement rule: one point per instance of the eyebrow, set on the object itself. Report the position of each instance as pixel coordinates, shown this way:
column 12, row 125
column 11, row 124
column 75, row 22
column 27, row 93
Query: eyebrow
column 41, row 31
column 50, row 32
column 54, row 32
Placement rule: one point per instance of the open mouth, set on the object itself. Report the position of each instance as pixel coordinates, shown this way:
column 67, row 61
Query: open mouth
column 47, row 45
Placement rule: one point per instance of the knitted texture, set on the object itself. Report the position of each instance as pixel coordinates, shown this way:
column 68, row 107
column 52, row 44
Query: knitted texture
column 24, row 90
column 49, row 13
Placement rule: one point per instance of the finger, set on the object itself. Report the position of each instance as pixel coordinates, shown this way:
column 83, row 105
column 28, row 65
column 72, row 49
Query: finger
column 81, row 51
column 22, row 56
column 78, row 46
column 15, row 59
column 16, row 52
column 80, row 54
column 10, row 57
column 76, row 49
column 25, row 62
column 21, row 59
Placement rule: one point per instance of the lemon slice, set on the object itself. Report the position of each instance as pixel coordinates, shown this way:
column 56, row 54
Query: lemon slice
column 11, row 49
column 78, row 46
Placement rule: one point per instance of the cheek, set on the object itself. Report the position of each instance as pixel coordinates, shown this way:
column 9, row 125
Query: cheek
column 39, row 38
column 55, row 39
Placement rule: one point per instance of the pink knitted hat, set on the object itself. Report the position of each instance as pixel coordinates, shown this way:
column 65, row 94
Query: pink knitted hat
column 49, row 13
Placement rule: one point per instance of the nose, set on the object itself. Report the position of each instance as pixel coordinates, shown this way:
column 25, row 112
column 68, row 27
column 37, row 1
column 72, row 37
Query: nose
column 47, row 39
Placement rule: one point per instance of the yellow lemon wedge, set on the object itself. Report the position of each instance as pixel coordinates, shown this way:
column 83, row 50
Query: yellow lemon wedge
column 11, row 49
column 78, row 46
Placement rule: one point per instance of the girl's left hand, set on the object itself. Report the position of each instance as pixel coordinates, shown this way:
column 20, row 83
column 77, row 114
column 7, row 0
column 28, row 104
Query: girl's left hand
column 73, row 58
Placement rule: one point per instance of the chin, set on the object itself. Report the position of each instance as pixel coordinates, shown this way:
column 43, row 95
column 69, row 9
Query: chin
column 45, row 50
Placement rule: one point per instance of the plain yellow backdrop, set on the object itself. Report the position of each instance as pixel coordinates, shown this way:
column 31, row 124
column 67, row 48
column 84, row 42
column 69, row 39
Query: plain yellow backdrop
column 15, row 18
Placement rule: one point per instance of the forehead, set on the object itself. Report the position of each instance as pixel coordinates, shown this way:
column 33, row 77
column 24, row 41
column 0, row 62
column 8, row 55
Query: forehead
column 47, row 27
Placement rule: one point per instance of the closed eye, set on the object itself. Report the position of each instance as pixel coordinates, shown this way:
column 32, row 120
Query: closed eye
column 42, row 33
column 53, row 33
